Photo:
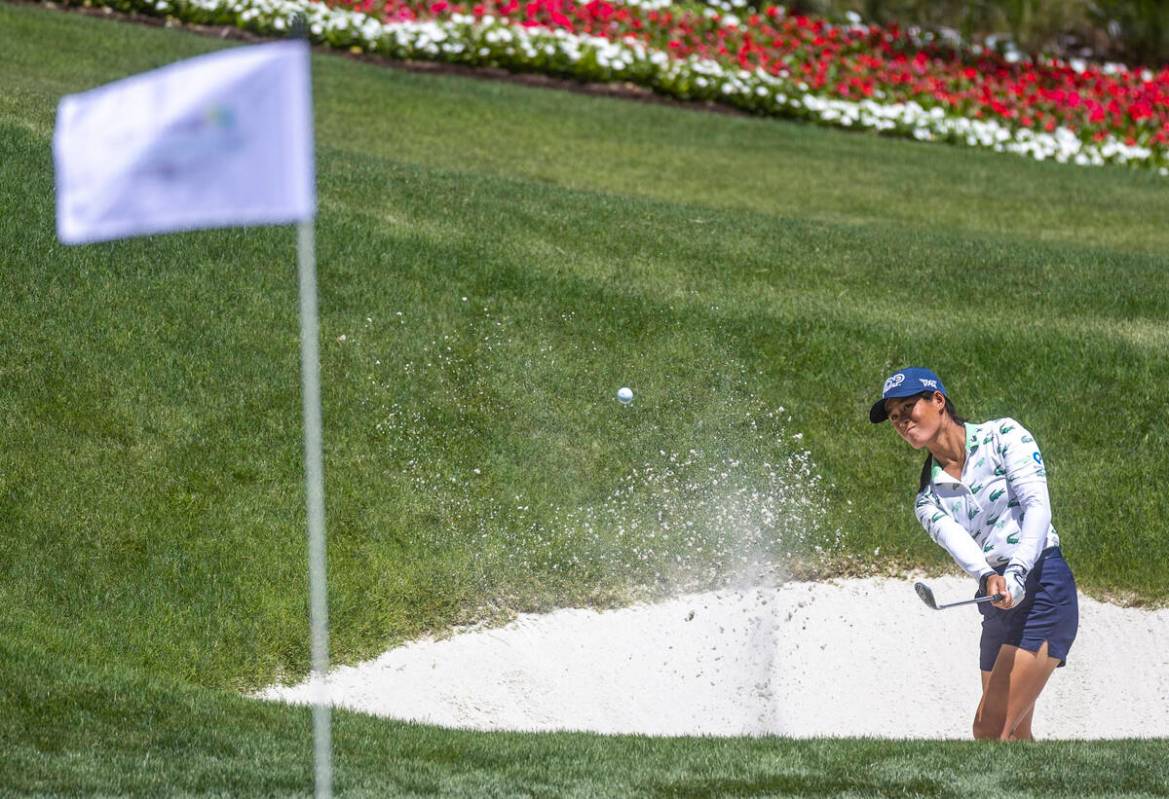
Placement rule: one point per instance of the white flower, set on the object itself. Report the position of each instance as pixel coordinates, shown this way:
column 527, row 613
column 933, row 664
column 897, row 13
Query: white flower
column 462, row 33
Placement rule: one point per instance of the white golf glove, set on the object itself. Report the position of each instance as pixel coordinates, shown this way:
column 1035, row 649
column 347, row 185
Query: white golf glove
column 1016, row 584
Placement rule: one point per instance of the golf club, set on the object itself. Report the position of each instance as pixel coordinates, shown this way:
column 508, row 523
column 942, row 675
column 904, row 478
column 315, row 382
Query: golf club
column 927, row 596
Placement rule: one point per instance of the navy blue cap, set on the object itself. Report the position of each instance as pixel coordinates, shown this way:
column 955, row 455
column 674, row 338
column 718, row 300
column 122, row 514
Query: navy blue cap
column 906, row 383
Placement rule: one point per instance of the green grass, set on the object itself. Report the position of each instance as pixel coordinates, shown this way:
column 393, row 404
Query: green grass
column 494, row 262
column 72, row 731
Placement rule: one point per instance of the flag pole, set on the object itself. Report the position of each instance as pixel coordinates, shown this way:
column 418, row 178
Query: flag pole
column 310, row 367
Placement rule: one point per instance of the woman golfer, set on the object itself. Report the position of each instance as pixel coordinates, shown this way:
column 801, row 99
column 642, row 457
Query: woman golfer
column 983, row 497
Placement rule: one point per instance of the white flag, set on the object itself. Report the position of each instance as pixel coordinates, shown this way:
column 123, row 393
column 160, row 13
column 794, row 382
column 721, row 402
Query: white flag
column 221, row 140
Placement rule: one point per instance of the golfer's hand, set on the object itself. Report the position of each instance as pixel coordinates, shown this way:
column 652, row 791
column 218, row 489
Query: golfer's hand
column 997, row 584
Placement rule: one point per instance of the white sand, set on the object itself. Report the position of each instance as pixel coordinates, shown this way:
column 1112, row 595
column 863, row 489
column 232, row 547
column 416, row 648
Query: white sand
column 841, row 658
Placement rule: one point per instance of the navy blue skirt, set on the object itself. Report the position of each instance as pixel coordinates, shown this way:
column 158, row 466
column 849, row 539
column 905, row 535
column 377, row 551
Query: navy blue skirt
column 1050, row 612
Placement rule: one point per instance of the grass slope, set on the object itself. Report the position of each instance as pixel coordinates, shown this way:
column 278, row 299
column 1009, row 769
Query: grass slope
column 116, row 732
column 494, row 262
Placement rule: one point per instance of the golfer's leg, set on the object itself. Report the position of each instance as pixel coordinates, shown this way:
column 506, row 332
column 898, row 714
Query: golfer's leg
column 1023, row 728
column 1010, row 692
column 984, row 727
column 978, row 725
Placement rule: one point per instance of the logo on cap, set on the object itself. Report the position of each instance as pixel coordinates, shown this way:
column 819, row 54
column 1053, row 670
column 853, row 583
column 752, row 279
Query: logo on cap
column 928, row 383
column 893, row 382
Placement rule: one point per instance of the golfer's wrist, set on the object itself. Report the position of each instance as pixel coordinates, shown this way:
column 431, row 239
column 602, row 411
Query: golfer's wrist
column 982, row 582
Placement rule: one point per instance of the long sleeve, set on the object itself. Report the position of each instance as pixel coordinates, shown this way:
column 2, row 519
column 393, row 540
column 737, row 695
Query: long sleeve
column 1027, row 482
column 952, row 537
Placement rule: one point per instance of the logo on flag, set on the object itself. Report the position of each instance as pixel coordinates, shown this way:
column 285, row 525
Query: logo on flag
column 222, row 140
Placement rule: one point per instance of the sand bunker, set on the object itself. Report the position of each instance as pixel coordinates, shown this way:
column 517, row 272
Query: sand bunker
column 840, row 658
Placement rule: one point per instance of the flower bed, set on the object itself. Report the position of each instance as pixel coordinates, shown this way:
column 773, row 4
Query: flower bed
column 855, row 76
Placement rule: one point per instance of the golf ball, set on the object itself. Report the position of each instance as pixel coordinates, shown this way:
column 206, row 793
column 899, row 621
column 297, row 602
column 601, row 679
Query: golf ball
column 625, row 394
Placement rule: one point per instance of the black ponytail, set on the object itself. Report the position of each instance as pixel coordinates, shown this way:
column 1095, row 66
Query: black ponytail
column 927, row 467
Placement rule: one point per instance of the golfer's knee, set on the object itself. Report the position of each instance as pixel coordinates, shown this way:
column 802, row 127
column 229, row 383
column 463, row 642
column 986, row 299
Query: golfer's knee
column 989, row 727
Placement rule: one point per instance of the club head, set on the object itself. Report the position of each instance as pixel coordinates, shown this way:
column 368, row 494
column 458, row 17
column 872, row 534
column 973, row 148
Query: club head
column 927, row 596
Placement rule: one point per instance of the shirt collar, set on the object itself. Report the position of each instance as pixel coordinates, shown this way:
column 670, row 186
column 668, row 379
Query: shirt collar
column 938, row 475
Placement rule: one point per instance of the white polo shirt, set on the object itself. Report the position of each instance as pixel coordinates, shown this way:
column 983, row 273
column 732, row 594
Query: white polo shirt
column 999, row 513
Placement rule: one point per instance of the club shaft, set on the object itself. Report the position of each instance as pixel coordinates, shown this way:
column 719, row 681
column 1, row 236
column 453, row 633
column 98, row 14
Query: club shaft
column 994, row 598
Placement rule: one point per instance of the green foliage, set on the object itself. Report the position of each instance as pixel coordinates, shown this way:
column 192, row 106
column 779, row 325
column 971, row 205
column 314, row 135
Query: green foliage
column 1132, row 31
column 1141, row 27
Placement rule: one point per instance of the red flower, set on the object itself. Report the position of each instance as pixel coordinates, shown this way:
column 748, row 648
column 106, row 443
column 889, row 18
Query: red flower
column 851, row 63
